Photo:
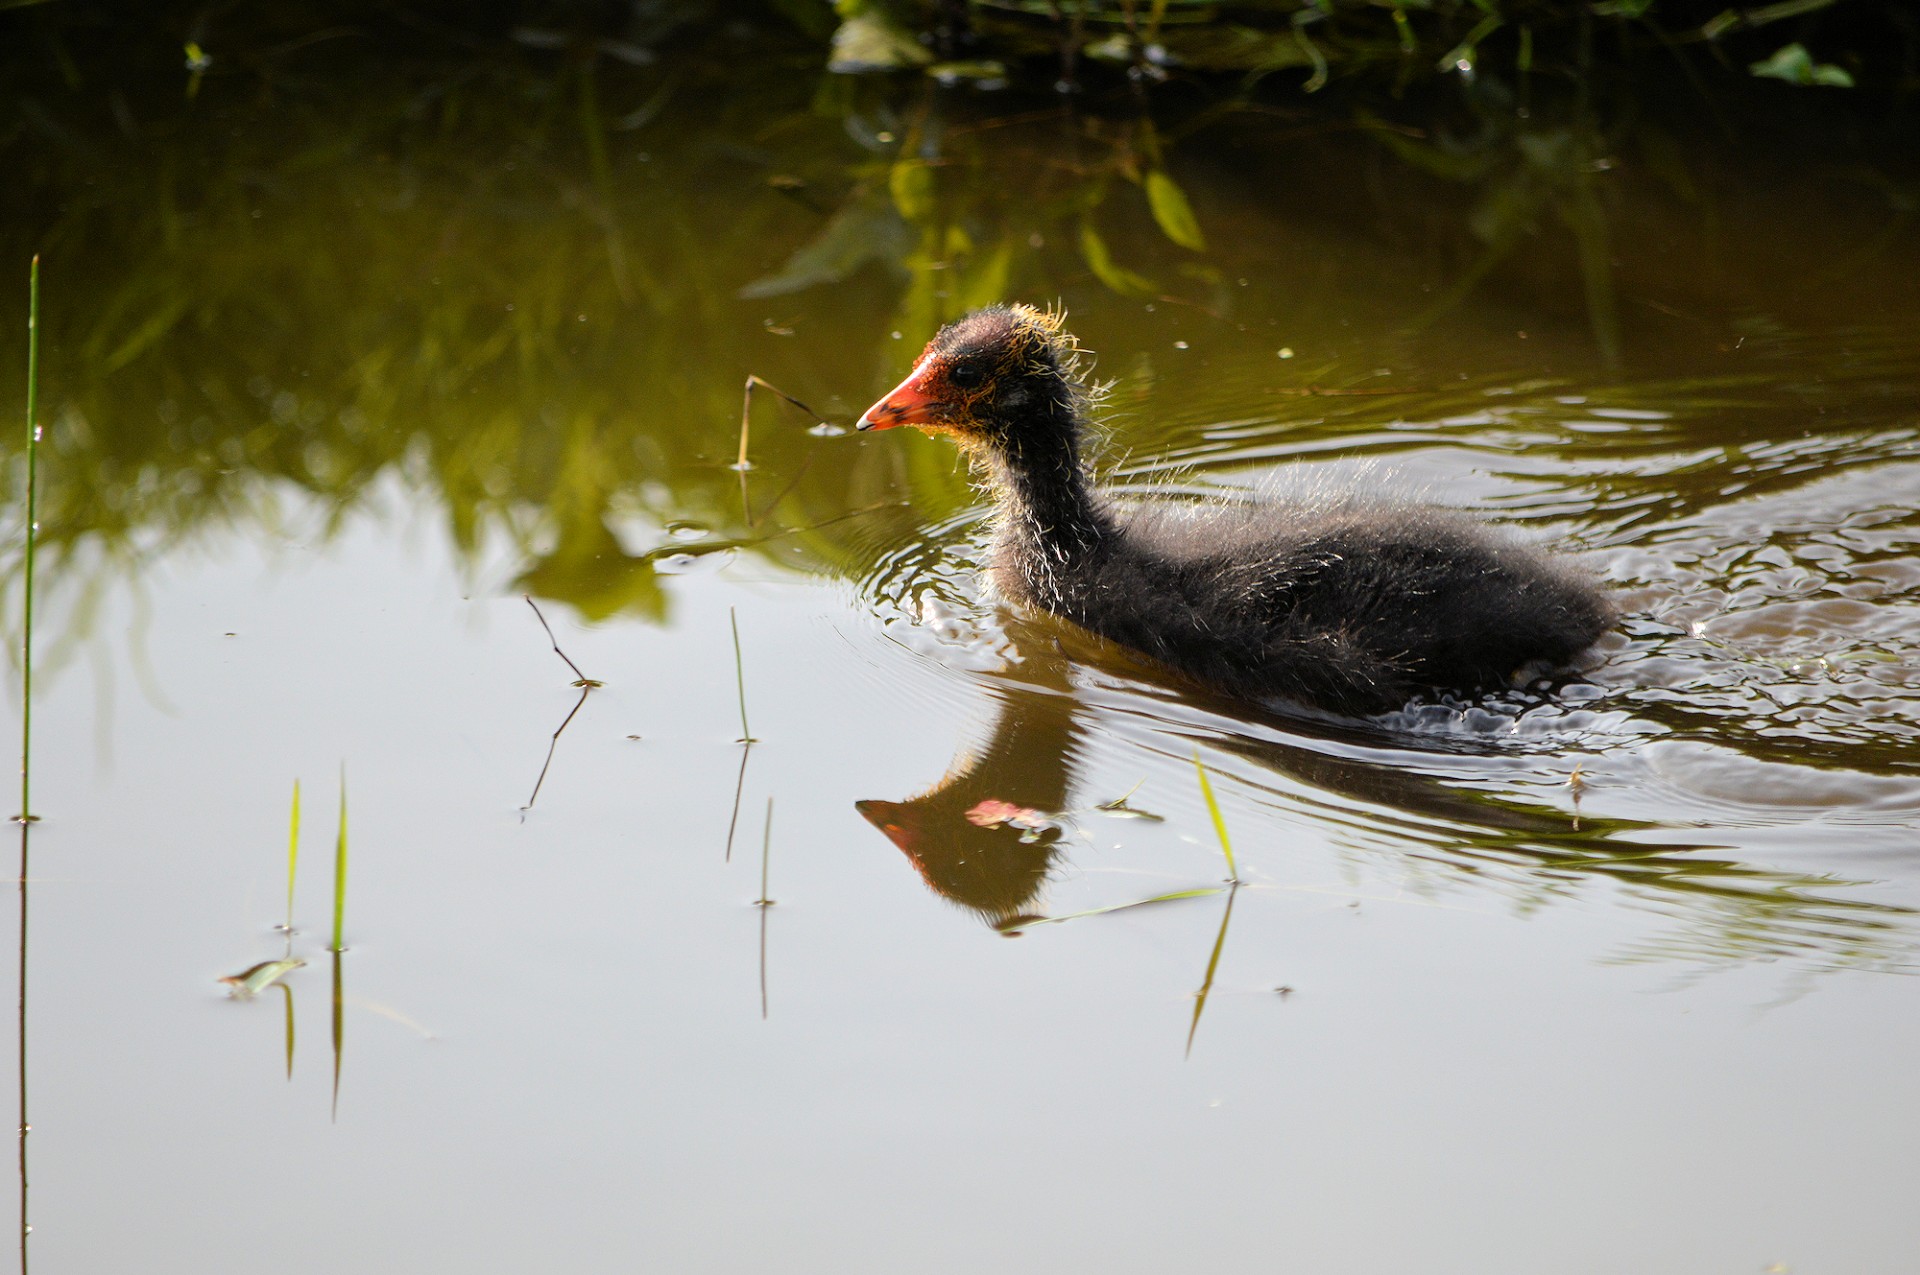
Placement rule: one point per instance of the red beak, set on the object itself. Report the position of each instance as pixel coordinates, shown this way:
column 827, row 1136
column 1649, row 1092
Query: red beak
column 908, row 404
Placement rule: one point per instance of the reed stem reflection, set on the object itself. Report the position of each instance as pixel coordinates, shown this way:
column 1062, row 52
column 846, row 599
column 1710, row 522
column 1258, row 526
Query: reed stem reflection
column 23, row 1127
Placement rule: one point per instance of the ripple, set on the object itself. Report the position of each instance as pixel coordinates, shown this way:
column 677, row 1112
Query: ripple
column 692, row 562
column 1748, row 788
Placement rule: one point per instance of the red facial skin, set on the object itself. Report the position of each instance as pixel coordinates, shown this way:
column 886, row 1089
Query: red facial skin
column 928, row 401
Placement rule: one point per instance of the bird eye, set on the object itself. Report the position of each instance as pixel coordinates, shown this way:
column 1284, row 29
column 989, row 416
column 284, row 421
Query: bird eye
column 966, row 376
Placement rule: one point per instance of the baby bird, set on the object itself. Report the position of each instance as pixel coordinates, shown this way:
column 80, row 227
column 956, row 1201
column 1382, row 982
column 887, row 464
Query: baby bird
column 1343, row 605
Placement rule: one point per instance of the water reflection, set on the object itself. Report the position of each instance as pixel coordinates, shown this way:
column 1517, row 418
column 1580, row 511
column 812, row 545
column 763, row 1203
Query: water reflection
column 546, row 312
column 22, row 1126
column 339, row 1026
column 587, row 686
column 995, row 869
column 1409, row 803
column 524, row 293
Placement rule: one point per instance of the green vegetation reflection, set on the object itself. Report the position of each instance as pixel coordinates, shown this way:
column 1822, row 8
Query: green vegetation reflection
column 523, row 282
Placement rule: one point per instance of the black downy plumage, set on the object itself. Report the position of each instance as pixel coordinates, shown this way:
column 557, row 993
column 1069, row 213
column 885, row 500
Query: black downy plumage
column 1334, row 601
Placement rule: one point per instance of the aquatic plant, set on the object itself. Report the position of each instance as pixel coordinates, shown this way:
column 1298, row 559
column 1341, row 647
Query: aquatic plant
column 340, row 869
column 1219, row 820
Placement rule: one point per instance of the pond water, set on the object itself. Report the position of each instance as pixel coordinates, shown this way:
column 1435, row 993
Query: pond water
column 1616, row 977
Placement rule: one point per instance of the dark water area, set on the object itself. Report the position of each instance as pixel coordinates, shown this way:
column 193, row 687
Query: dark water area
column 350, row 344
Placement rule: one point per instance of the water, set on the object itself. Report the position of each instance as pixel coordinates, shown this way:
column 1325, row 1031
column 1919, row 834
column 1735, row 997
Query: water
column 1611, row 978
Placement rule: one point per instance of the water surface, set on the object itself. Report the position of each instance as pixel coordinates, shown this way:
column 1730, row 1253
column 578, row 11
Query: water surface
column 1614, row 976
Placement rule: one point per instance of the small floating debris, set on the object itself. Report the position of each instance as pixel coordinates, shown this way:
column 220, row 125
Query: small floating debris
column 249, row 983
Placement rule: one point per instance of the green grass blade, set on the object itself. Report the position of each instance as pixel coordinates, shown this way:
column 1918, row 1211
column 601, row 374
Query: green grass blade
column 340, row 865
column 1219, row 820
column 293, row 854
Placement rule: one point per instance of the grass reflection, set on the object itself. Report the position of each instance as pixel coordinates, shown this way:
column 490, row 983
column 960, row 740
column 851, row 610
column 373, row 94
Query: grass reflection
column 1213, row 965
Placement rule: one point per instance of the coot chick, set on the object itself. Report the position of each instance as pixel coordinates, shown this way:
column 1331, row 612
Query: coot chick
column 1341, row 604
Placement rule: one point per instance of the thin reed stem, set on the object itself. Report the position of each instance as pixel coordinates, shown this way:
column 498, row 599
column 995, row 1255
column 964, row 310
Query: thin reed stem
column 740, row 678
column 340, row 866
column 33, row 514
column 26, row 817
column 555, row 643
column 293, row 859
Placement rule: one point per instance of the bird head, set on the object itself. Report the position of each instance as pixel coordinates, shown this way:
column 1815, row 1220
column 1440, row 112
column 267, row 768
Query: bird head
column 991, row 380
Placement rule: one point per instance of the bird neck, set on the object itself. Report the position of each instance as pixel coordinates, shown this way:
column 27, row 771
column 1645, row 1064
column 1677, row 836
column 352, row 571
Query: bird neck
column 1047, row 506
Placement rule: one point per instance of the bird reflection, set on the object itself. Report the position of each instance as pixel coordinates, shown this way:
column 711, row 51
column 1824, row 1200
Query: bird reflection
column 1026, row 761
